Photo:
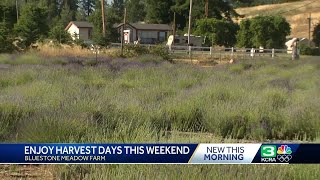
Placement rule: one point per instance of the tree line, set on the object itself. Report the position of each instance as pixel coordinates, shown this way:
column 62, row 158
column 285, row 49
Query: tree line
column 37, row 19
column 34, row 20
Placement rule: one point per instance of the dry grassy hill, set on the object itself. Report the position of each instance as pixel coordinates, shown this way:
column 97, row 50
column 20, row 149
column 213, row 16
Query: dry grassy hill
column 296, row 13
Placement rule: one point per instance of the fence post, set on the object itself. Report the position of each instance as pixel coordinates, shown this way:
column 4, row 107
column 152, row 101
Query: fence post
column 243, row 53
column 252, row 53
column 190, row 52
column 272, row 53
column 232, row 52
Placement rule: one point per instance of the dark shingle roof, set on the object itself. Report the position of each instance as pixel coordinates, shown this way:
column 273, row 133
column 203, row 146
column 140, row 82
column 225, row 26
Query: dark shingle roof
column 80, row 24
column 141, row 26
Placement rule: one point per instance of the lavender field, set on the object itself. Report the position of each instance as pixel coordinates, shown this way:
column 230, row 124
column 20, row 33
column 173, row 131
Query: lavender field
column 145, row 99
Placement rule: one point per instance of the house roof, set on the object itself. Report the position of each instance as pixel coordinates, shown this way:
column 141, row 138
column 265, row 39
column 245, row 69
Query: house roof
column 141, row 26
column 80, row 24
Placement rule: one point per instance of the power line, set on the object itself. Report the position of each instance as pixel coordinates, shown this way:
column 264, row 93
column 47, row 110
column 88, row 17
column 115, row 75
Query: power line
column 298, row 7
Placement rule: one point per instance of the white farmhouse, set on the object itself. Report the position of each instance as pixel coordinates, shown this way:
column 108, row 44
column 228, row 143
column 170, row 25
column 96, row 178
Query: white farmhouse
column 80, row 30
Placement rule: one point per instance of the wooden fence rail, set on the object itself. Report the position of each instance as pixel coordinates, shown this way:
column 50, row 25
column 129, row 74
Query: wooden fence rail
column 220, row 53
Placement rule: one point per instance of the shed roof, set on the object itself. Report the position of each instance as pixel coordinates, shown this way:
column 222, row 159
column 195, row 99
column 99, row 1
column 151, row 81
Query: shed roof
column 80, row 24
column 141, row 26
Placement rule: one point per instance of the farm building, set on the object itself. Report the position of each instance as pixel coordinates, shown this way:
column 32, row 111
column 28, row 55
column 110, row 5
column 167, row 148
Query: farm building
column 301, row 41
column 80, row 30
column 144, row 33
column 183, row 40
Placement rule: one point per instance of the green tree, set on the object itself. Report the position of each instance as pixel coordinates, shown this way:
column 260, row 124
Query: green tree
column 181, row 8
column 5, row 38
column 96, row 19
column 111, row 33
column 32, row 24
column 135, row 10
column 87, row 6
column 244, row 34
column 118, row 7
column 59, row 34
column 52, row 7
column 217, row 32
column 269, row 31
column 218, row 9
column 280, row 32
column 72, row 6
column 8, row 14
column 316, row 35
column 66, row 15
column 265, row 31
column 158, row 11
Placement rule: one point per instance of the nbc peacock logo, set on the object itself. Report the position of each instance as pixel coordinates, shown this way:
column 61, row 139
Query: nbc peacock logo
column 284, row 153
column 284, row 149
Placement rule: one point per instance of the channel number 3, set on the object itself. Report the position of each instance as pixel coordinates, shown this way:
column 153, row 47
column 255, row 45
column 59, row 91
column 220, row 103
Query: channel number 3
column 268, row 151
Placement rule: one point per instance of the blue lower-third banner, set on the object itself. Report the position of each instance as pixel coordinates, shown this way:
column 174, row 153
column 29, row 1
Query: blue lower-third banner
column 159, row 153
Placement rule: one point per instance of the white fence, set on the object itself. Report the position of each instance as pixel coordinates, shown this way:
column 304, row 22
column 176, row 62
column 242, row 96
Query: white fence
column 219, row 53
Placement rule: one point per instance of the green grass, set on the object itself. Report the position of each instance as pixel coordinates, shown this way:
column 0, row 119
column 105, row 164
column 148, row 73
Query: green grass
column 159, row 102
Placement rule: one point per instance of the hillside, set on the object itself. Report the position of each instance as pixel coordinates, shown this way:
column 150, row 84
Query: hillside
column 296, row 13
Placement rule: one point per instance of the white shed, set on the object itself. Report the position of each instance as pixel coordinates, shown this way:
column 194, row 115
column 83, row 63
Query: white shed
column 80, row 30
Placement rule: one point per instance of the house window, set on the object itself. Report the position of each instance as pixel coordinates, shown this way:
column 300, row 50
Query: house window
column 162, row 36
column 149, row 37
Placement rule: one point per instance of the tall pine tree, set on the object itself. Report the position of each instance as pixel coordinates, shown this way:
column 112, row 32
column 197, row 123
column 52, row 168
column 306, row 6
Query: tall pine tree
column 158, row 11
column 32, row 24
column 5, row 38
column 116, row 11
column 135, row 10
column 87, row 7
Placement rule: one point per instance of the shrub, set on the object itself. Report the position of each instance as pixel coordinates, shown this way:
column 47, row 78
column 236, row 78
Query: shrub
column 161, row 51
column 10, row 116
column 60, row 35
column 138, row 50
column 239, row 68
column 135, row 50
column 306, row 50
column 53, row 129
column 236, row 126
column 148, row 58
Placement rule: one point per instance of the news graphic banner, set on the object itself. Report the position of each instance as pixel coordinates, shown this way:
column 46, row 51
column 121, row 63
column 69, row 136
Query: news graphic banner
column 159, row 153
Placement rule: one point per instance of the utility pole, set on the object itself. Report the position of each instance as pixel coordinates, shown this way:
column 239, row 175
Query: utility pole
column 17, row 10
column 103, row 19
column 174, row 27
column 122, row 29
column 189, row 28
column 88, row 13
column 309, row 22
column 206, row 10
